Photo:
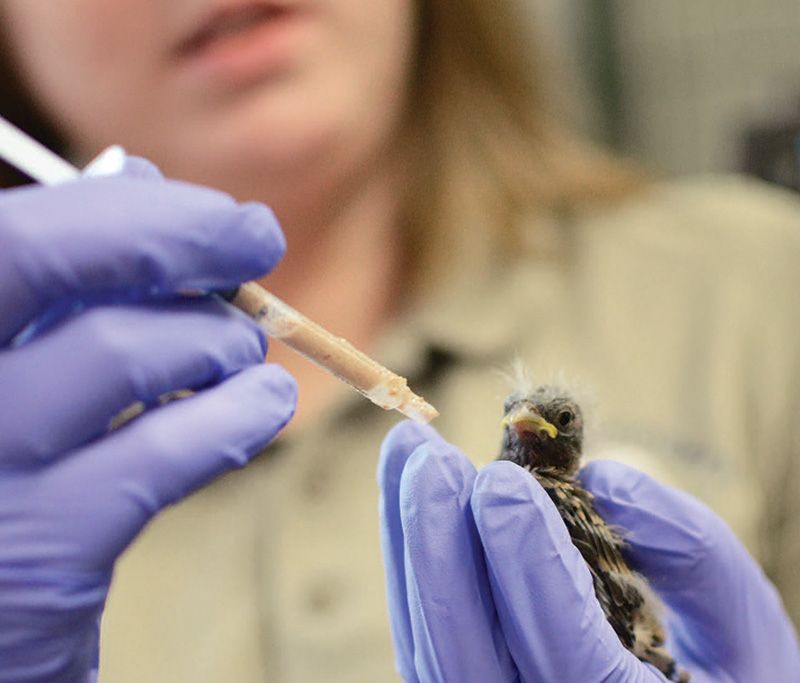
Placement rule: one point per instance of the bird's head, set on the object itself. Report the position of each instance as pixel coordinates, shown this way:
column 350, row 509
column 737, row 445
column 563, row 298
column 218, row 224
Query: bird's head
column 542, row 428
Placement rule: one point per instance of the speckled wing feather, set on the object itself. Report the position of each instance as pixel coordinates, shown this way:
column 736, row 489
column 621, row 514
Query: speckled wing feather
column 600, row 547
column 631, row 613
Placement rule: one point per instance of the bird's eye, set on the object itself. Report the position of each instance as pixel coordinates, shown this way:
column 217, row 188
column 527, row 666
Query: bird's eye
column 564, row 418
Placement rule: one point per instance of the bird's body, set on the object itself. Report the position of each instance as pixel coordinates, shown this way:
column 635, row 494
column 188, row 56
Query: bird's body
column 544, row 434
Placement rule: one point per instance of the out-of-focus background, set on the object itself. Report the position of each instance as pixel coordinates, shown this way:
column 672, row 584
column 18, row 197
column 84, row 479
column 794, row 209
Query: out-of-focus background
column 685, row 86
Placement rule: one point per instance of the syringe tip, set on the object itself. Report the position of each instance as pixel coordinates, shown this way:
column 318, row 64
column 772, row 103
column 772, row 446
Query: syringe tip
column 419, row 410
column 379, row 384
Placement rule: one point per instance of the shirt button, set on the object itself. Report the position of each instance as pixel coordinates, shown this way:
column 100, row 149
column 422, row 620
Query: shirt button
column 315, row 484
column 323, row 596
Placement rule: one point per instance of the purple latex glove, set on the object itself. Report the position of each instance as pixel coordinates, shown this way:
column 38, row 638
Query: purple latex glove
column 484, row 583
column 73, row 494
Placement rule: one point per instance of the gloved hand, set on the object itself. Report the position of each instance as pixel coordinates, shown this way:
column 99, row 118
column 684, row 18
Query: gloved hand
column 113, row 252
column 484, row 583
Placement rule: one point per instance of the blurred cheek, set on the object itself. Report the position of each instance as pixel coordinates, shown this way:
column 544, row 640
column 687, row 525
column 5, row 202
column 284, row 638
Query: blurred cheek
column 380, row 42
column 371, row 55
column 79, row 55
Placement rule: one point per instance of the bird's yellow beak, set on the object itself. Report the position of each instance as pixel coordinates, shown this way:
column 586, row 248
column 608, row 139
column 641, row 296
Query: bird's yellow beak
column 526, row 419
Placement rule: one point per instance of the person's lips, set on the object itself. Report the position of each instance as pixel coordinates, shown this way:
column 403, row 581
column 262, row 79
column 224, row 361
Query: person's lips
column 242, row 39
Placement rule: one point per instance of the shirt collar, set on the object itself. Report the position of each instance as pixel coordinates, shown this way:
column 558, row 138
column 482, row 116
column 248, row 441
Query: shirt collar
column 483, row 314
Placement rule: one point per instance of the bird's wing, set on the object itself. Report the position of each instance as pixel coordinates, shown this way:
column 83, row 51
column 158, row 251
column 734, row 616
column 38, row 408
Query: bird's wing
column 600, row 545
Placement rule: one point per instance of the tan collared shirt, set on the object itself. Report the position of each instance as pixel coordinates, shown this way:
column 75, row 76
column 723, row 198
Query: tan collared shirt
column 677, row 311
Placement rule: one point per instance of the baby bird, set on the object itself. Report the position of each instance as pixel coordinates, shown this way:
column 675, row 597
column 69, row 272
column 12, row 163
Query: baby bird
column 543, row 432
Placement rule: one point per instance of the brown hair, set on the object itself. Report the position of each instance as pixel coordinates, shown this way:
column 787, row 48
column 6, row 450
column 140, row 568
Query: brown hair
column 490, row 148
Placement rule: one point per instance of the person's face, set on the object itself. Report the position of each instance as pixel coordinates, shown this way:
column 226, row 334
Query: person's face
column 215, row 89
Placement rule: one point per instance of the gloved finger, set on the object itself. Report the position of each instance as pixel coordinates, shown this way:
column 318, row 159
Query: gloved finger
column 397, row 447
column 696, row 564
column 106, row 359
column 553, row 624
column 457, row 635
column 104, row 495
column 104, row 235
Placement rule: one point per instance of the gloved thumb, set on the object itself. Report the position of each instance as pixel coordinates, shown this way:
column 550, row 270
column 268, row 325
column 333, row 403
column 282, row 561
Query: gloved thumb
column 115, row 160
column 139, row 167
